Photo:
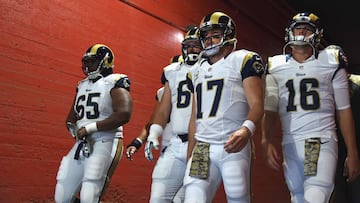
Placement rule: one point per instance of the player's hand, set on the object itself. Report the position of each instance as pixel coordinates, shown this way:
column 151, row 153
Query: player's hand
column 271, row 156
column 133, row 147
column 81, row 133
column 151, row 143
column 237, row 141
column 351, row 168
column 130, row 151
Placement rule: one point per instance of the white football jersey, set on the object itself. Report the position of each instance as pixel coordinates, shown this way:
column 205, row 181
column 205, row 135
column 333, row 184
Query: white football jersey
column 93, row 100
column 221, row 101
column 307, row 93
column 175, row 75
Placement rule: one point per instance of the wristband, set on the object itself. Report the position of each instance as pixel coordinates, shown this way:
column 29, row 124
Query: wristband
column 90, row 128
column 249, row 125
column 136, row 143
column 155, row 131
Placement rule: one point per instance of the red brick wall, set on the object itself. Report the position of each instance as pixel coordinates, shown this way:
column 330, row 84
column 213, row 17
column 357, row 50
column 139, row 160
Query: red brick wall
column 41, row 45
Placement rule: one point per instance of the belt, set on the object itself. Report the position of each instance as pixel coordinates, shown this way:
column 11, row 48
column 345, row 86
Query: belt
column 183, row 137
column 84, row 147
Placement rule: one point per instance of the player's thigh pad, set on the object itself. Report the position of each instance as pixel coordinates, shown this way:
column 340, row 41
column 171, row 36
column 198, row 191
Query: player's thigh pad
column 293, row 167
column 319, row 188
column 96, row 166
column 68, row 179
column 167, row 166
column 70, row 168
column 204, row 190
column 235, row 170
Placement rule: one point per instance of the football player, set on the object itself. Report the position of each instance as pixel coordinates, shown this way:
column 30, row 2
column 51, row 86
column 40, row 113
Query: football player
column 136, row 143
column 102, row 105
column 168, row 173
column 305, row 86
column 228, row 94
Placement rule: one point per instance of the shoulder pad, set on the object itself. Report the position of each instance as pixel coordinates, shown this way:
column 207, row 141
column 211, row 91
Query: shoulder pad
column 168, row 70
column 121, row 80
column 334, row 47
column 355, row 79
column 275, row 61
column 338, row 54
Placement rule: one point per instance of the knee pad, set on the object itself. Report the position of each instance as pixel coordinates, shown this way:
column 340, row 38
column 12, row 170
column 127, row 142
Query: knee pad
column 180, row 195
column 196, row 194
column 61, row 195
column 90, row 192
column 314, row 194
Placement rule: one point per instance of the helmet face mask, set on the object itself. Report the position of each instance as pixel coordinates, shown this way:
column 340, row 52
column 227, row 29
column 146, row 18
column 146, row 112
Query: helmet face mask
column 217, row 22
column 308, row 22
column 90, row 65
column 97, row 61
column 211, row 48
column 191, row 42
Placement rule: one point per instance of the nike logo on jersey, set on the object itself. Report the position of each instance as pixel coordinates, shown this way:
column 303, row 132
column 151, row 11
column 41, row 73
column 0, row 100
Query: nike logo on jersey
column 88, row 90
column 207, row 76
column 300, row 74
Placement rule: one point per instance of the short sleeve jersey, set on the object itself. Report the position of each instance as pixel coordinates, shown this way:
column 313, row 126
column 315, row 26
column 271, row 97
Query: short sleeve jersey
column 93, row 100
column 305, row 91
column 175, row 75
column 221, row 103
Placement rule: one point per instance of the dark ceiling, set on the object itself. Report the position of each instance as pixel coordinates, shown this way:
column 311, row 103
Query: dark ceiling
column 340, row 24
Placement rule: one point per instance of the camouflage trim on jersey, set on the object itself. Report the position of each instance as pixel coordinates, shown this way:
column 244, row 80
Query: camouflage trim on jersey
column 200, row 161
column 312, row 150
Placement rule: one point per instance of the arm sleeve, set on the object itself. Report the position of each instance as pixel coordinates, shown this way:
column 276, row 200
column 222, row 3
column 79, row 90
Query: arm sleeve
column 341, row 89
column 271, row 94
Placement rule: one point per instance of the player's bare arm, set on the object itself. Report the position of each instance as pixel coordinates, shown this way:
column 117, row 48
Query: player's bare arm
column 72, row 116
column 162, row 113
column 352, row 162
column 192, row 129
column 270, row 154
column 254, row 90
column 136, row 143
column 161, row 117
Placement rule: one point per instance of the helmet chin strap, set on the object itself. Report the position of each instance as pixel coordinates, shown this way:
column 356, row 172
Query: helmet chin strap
column 214, row 49
column 297, row 43
column 299, row 40
column 191, row 59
